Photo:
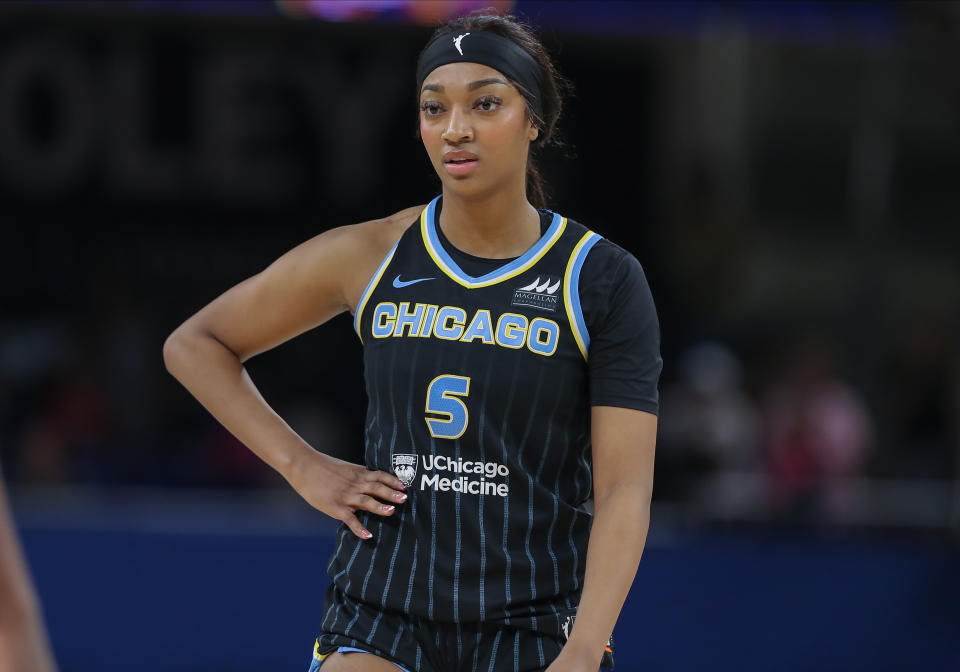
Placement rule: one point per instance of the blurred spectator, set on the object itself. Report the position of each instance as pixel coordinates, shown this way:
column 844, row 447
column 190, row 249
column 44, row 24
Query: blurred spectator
column 709, row 424
column 227, row 462
column 71, row 435
column 43, row 454
column 921, row 399
column 817, row 433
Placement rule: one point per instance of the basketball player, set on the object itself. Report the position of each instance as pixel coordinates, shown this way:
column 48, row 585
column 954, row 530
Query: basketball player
column 511, row 360
column 23, row 637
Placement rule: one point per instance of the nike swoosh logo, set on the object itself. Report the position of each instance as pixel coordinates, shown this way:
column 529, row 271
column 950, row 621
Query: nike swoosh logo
column 397, row 282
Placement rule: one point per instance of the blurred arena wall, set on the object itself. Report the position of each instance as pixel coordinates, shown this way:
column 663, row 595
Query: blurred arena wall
column 785, row 173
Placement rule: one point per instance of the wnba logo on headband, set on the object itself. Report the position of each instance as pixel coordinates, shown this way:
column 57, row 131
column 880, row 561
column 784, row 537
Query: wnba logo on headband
column 487, row 48
column 457, row 40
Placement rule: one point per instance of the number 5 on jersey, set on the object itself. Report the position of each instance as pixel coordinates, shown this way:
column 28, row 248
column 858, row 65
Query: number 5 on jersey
column 443, row 398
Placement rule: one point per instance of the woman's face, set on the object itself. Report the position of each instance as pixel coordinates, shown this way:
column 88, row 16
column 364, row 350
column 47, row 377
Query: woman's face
column 472, row 108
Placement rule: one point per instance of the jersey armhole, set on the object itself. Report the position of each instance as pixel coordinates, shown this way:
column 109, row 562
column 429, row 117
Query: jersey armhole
column 374, row 281
column 571, row 290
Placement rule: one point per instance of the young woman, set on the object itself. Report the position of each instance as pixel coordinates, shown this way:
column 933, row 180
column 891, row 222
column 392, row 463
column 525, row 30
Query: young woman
column 511, row 359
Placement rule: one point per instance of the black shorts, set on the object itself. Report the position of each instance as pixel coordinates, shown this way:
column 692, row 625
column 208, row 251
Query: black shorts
column 428, row 646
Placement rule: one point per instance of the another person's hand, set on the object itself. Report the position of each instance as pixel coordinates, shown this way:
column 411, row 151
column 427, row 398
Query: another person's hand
column 339, row 488
column 24, row 646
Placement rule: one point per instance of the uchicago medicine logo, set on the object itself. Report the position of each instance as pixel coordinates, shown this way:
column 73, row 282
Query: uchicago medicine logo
column 405, row 467
column 443, row 473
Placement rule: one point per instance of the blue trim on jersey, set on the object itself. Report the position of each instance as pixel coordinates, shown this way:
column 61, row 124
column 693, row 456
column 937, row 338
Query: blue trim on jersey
column 518, row 265
column 369, row 288
column 580, row 326
column 318, row 662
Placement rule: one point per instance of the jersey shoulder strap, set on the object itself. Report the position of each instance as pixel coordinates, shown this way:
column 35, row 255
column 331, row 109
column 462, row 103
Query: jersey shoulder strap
column 582, row 239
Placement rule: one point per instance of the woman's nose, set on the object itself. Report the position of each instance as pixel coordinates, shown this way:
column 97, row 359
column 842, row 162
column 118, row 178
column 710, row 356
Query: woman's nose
column 458, row 129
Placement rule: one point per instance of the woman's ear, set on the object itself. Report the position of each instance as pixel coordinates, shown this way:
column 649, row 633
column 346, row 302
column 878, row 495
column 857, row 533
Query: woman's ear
column 533, row 133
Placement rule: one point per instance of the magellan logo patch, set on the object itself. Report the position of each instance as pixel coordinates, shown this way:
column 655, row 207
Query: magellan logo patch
column 542, row 293
column 405, row 467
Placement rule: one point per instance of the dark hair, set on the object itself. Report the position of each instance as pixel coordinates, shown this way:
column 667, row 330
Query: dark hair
column 554, row 84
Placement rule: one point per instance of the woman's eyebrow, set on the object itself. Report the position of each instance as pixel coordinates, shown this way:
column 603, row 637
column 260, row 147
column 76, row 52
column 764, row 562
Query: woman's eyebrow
column 470, row 87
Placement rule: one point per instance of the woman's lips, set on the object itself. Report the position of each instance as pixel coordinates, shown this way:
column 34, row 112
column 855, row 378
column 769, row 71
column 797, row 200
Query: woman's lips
column 460, row 167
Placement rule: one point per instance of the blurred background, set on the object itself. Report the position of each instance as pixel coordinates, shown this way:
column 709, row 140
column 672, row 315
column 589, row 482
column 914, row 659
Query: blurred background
column 786, row 173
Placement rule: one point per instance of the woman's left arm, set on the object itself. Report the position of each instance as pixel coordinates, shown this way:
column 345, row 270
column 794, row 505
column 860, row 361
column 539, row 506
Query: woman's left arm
column 623, row 441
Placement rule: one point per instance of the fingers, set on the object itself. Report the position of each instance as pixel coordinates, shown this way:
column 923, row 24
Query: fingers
column 383, row 485
column 387, row 494
column 389, row 480
column 355, row 525
column 368, row 503
column 372, row 485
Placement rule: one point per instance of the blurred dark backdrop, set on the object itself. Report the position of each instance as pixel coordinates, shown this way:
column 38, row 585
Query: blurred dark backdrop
column 785, row 172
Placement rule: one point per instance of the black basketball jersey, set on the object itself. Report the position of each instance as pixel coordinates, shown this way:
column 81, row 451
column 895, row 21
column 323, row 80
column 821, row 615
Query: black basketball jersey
column 478, row 402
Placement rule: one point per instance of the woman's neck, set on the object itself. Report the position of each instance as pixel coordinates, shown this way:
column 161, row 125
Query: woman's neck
column 494, row 227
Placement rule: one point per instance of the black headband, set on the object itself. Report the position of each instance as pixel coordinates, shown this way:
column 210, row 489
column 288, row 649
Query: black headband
column 488, row 48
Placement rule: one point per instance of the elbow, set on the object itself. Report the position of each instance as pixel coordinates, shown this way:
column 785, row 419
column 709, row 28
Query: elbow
column 185, row 344
column 629, row 497
column 172, row 349
column 176, row 349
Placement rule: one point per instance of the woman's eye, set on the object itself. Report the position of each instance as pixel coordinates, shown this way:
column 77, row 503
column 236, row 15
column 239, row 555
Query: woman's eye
column 432, row 109
column 488, row 100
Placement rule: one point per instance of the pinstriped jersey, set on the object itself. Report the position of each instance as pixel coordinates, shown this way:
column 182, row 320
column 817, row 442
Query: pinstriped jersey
column 478, row 402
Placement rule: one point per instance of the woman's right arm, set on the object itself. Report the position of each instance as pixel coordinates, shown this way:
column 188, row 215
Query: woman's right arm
column 304, row 288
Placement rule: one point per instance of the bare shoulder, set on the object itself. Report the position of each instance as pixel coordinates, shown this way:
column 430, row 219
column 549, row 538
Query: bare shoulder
column 381, row 234
column 356, row 249
column 342, row 259
column 368, row 243
column 303, row 288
